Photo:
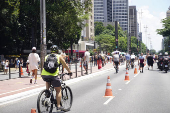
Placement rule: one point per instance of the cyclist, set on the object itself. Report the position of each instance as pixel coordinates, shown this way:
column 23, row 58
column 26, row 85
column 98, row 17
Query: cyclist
column 132, row 59
column 54, row 76
column 116, row 60
column 127, row 60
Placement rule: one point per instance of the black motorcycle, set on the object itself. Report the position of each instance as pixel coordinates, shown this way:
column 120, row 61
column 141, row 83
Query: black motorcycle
column 161, row 64
column 166, row 64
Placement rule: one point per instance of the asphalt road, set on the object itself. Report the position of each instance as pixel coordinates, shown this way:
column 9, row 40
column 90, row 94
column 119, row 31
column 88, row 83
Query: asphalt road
column 146, row 92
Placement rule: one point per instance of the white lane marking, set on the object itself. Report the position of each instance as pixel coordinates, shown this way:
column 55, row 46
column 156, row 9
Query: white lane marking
column 119, row 89
column 110, row 98
column 127, row 82
column 20, row 89
column 137, row 74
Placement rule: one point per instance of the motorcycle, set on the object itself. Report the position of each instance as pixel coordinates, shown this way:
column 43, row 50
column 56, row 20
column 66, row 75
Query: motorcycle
column 166, row 64
column 160, row 64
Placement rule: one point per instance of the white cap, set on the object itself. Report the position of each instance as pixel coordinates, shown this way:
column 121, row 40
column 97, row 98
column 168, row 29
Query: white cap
column 166, row 53
column 27, row 61
column 33, row 48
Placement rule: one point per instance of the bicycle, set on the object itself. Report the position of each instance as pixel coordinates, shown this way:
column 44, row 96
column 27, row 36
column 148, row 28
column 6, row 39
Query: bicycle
column 116, row 66
column 132, row 63
column 128, row 65
column 45, row 104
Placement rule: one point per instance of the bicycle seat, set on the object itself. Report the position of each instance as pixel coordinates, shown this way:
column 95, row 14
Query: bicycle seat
column 47, row 79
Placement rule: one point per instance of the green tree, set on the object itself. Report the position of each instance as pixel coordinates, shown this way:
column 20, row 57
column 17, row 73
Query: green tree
column 20, row 20
column 106, row 42
column 99, row 28
column 166, row 27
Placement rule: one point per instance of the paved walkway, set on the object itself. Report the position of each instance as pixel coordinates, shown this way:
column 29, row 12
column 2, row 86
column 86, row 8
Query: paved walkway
column 19, row 85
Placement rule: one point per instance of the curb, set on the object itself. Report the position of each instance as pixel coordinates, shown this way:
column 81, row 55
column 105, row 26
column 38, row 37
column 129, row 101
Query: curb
column 26, row 94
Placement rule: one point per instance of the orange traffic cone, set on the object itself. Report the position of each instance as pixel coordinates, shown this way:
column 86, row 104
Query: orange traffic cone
column 33, row 110
column 127, row 75
column 108, row 92
column 139, row 67
column 135, row 71
column 21, row 71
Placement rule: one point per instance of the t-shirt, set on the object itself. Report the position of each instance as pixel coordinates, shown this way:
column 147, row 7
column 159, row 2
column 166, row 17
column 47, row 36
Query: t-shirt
column 132, row 56
column 33, row 60
column 87, row 54
column 150, row 59
column 116, row 58
column 141, row 58
column 127, row 57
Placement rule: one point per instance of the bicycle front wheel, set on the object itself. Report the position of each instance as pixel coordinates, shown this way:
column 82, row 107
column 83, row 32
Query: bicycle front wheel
column 67, row 98
column 43, row 103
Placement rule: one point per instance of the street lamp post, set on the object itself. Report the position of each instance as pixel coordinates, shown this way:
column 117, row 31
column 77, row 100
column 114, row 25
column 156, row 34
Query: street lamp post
column 43, row 31
column 140, row 18
column 146, row 36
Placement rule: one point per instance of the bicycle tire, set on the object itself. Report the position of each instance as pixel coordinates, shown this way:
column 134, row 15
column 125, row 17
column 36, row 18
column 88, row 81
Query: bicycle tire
column 44, row 102
column 65, row 98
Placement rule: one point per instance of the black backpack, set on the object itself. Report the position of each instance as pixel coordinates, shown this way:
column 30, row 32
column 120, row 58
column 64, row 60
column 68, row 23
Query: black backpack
column 51, row 63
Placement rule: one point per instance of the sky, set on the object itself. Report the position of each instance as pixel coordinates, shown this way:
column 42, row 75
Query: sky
column 153, row 11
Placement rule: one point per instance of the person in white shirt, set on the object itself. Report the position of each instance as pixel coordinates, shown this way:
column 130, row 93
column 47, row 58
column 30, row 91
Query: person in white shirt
column 33, row 63
column 86, row 60
column 132, row 59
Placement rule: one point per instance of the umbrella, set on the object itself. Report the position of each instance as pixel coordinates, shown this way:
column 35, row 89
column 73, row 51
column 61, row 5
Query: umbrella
column 122, row 53
column 115, row 52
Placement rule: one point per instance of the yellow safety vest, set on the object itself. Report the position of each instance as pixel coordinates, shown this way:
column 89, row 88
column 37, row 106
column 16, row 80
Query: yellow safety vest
column 44, row 72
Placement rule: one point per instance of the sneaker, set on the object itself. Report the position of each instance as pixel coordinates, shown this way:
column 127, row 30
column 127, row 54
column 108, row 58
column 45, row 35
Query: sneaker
column 47, row 93
column 60, row 108
column 35, row 82
column 30, row 81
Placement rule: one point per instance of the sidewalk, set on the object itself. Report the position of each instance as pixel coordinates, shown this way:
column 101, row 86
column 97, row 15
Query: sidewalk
column 12, row 87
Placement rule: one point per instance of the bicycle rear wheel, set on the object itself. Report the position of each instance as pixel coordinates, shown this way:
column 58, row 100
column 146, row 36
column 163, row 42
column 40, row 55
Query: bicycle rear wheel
column 67, row 98
column 43, row 103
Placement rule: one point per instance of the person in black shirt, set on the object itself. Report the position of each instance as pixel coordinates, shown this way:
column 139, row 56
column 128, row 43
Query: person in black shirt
column 150, row 61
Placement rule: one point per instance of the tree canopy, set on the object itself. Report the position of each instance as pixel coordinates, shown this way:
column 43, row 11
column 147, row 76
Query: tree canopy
column 166, row 27
column 20, row 23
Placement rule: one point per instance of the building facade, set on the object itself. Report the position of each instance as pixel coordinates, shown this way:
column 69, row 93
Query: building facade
column 111, row 11
column 99, row 9
column 87, row 34
column 133, row 25
column 120, row 13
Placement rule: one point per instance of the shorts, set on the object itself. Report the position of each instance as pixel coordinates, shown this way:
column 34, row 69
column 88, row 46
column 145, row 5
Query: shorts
column 56, row 82
column 141, row 65
column 150, row 63
column 116, row 63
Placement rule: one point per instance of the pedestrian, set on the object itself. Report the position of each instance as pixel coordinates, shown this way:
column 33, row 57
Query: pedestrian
column 33, row 63
column 51, row 71
column 147, row 58
column 28, row 68
column 127, row 60
column 141, row 61
column 3, row 65
column 95, row 60
column 92, row 59
column 16, row 62
column 21, row 63
column 6, row 67
column 86, row 60
column 150, row 61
